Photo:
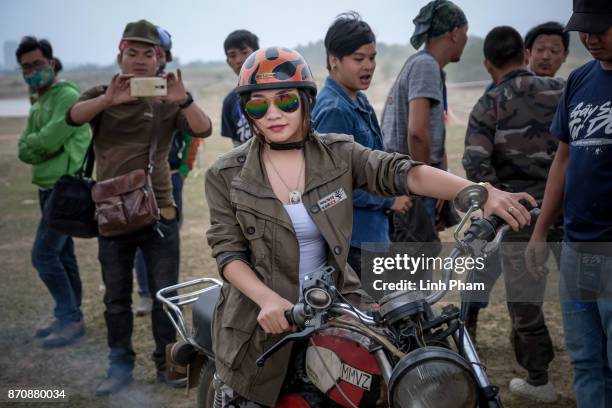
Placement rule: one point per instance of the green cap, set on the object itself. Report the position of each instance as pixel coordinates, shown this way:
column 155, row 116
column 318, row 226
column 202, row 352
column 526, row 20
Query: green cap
column 141, row 31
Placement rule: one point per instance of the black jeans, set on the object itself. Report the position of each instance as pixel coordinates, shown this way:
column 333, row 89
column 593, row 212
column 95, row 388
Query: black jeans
column 116, row 255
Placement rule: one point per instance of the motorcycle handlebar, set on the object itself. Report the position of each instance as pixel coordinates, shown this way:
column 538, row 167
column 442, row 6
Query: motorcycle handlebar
column 497, row 222
column 300, row 314
column 492, row 229
column 289, row 317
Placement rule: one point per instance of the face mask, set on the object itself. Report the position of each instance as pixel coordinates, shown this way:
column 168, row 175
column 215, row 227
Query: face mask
column 40, row 79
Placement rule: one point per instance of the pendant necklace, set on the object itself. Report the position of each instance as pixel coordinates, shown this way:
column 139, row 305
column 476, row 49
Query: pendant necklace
column 295, row 196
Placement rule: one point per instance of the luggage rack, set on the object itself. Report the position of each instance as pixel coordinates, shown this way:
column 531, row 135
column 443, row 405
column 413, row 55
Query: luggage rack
column 173, row 305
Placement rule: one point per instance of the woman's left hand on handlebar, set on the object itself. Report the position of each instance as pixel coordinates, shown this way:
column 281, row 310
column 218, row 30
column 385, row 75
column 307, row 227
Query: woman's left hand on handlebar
column 507, row 206
column 271, row 317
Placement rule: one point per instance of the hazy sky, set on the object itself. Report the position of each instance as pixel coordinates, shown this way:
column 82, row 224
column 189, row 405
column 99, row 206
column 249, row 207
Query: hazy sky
column 88, row 31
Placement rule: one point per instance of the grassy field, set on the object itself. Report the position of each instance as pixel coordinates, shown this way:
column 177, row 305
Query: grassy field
column 25, row 302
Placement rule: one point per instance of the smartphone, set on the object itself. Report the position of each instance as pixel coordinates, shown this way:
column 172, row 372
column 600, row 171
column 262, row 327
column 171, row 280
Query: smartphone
column 148, row 86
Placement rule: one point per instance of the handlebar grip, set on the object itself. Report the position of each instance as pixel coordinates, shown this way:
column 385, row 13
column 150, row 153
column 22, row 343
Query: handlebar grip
column 289, row 316
column 526, row 204
column 497, row 222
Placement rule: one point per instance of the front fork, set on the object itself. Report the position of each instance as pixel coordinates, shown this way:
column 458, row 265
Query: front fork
column 217, row 383
column 384, row 364
column 490, row 392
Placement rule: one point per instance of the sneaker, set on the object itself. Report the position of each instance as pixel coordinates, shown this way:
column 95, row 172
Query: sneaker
column 66, row 334
column 539, row 393
column 47, row 329
column 144, row 306
column 112, row 385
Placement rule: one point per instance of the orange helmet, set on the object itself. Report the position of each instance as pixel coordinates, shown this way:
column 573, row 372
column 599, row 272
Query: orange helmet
column 274, row 68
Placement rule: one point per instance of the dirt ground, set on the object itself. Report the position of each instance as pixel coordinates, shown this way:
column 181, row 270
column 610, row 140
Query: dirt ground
column 25, row 302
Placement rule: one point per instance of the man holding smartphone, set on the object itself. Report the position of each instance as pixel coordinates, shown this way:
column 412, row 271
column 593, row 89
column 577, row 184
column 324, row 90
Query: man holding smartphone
column 124, row 127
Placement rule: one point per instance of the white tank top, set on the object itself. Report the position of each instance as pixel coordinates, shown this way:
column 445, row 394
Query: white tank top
column 313, row 254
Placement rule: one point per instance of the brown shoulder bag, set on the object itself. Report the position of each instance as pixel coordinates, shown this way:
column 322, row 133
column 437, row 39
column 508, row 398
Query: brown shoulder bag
column 126, row 203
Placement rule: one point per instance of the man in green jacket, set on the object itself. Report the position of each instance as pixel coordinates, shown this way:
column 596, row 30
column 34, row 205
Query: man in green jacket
column 53, row 148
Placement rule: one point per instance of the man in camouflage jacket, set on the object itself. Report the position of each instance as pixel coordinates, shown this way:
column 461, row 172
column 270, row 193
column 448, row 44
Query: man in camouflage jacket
column 508, row 144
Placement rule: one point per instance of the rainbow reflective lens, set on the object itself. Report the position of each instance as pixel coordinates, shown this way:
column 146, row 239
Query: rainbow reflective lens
column 256, row 108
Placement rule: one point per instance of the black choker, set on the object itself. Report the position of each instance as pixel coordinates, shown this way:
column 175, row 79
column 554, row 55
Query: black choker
column 286, row 146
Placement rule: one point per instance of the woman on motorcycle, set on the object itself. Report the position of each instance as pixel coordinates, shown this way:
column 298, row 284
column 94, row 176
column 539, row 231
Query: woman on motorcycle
column 280, row 207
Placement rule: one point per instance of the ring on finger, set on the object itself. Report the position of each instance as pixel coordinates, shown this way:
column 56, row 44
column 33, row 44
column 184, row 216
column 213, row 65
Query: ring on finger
column 511, row 209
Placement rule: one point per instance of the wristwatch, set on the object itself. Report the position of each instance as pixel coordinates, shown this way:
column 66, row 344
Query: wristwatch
column 188, row 102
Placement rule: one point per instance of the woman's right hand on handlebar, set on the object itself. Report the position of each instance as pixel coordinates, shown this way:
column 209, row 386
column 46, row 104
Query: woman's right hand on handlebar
column 271, row 317
column 507, row 206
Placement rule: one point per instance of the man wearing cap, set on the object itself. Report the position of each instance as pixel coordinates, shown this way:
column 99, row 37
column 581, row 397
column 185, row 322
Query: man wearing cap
column 122, row 134
column 413, row 116
column 580, row 178
column 183, row 152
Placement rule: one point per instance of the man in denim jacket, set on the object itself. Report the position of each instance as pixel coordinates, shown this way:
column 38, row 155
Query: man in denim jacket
column 342, row 107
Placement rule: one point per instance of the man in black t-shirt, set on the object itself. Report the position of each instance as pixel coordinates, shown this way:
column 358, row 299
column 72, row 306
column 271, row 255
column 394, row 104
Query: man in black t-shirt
column 238, row 46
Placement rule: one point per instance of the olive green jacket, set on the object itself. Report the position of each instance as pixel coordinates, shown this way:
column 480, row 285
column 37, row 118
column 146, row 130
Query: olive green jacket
column 250, row 224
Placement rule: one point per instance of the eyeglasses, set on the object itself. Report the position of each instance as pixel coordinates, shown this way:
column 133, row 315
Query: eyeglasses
column 35, row 66
column 256, row 108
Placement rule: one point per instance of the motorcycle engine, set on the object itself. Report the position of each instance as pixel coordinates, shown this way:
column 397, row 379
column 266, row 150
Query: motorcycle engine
column 340, row 365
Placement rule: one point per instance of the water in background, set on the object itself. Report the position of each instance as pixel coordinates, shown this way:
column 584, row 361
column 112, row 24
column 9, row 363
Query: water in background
column 14, row 107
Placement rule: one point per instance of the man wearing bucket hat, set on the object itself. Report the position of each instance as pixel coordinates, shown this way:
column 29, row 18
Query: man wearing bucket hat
column 124, row 127
column 581, row 178
column 413, row 117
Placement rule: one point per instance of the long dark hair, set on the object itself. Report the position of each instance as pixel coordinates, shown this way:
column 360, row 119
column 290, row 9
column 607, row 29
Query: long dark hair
column 307, row 101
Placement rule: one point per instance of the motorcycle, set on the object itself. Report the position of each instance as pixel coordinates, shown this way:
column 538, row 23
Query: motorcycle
column 405, row 352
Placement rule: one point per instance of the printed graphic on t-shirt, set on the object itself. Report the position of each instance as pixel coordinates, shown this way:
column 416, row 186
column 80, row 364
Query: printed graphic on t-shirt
column 233, row 122
column 243, row 132
column 586, row 120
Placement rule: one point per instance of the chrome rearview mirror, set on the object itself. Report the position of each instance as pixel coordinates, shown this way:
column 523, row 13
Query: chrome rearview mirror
column 471, row 197
column 468, row 200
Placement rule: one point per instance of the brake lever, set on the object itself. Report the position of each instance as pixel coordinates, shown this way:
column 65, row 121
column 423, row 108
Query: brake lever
column 302, row 335
column 311, row 326
column 492, row 246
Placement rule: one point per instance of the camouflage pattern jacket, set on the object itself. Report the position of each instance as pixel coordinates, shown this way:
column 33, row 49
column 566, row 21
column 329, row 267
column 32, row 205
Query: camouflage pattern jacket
column 508, row 142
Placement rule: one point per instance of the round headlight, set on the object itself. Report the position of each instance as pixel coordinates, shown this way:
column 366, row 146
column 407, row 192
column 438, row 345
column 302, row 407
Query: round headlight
column 432, row 377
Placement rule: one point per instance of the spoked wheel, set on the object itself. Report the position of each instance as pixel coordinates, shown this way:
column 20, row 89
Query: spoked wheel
column 206, row 388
